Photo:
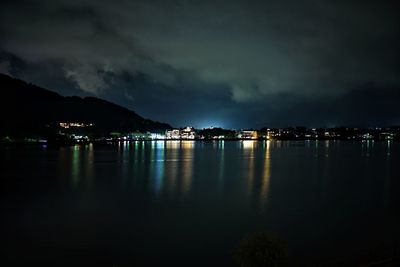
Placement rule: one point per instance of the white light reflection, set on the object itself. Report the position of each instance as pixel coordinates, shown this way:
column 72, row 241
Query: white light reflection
column 388, row 147
column 75, row 164
column 158, row 164
column 221, row 162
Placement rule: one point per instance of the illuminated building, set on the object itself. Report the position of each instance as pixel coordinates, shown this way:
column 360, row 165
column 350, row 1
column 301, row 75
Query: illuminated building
column 185, row 133
column 157, row 136
column 188, row 133
column 172, row 134
column 247, row 134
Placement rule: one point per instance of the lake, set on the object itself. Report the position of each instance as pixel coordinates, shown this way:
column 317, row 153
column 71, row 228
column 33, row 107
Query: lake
column 189, row 203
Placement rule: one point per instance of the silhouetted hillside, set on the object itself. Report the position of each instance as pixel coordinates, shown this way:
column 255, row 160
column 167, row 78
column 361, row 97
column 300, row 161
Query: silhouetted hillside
column 29, row 109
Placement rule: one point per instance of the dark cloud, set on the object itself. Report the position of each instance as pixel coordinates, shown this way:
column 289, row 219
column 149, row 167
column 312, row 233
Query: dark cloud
column 237, row 63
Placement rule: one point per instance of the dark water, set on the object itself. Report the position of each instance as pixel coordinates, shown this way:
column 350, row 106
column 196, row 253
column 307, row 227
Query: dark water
column 190, row 203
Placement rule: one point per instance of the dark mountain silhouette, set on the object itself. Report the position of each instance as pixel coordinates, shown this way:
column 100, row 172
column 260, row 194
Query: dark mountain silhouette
column 29, row 109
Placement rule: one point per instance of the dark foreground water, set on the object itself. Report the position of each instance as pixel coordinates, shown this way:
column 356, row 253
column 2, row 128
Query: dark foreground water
column 190, row 203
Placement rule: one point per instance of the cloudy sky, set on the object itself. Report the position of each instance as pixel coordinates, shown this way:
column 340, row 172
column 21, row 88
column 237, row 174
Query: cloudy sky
column 214, row 63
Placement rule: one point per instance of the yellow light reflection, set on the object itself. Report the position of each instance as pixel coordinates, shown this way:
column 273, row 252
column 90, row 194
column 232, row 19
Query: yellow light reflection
column 248, row 149
column 172, row 144
column 171, row 169
column 248, row 144
column 187, row 165
column 266, row 176
column 187, row 145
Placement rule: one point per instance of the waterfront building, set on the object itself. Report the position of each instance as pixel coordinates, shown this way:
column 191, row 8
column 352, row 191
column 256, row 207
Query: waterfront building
column 157, row 136
column 247, row 134
column 173, row 134
column 188, row 133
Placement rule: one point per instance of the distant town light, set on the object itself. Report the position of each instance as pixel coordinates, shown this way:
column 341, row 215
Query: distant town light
column 67, row 125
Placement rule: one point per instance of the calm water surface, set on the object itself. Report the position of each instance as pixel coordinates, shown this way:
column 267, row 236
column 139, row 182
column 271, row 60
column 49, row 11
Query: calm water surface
column 190, row 203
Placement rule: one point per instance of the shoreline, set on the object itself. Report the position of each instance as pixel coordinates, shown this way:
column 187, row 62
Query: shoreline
column 46, row 143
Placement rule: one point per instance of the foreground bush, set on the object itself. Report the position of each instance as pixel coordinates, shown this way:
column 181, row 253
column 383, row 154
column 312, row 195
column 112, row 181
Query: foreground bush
column 261, row 249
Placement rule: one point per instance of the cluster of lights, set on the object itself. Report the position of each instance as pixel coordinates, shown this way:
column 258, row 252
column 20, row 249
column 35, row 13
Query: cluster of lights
column 67, row 125
column 190, row 133
column 80, row 138
column 247, row 134
column 187, row 133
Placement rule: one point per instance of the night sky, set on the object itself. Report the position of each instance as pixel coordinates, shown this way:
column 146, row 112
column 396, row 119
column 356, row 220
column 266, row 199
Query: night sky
column 231, row 64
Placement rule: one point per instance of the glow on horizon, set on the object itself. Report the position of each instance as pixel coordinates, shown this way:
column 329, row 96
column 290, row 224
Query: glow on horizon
column 210, row 124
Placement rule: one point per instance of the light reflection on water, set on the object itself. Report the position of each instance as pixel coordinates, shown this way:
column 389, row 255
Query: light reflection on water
column 172, row 164
column 75, row 164
column 159, row 161
column 312, row 192
column 187, row 165
column 169, row 167
column 266, row 176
